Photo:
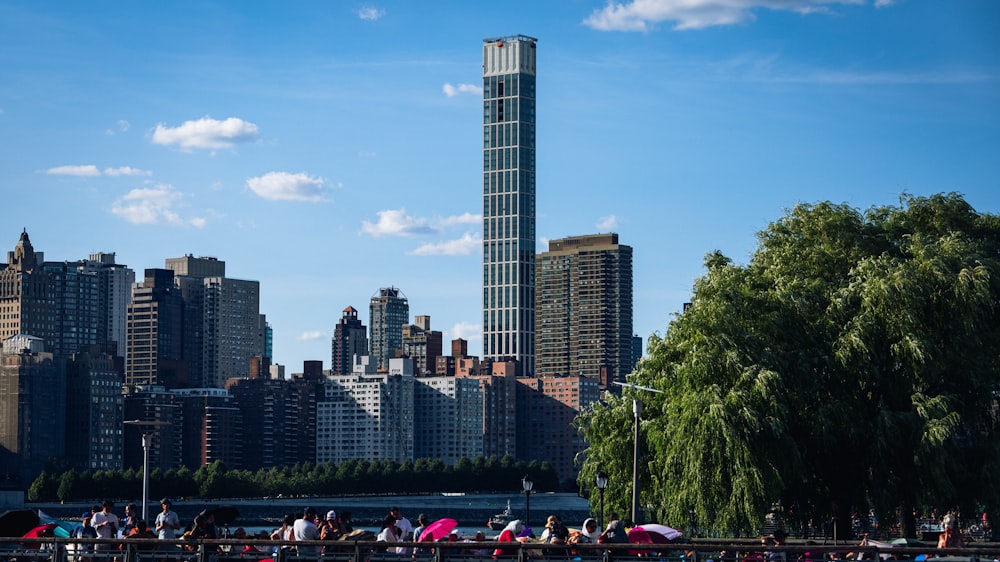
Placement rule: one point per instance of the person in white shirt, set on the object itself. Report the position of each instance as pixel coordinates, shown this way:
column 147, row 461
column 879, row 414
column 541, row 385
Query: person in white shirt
column 106, row 524
column 402, row 523
column 305, row 529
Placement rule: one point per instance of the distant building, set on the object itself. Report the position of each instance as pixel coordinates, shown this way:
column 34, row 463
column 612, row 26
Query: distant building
column 499, row 391
column 114, row 293
column 367, row 414
column 155, row 333
column 509, row 200
column 448, row 418
column 94, row 409
column 546, row 407
column 584, row 308
column 211, row 427
column 159, row 414
column 32, row 409
column 422, row 344
column 636, row 350
column 350, row 338
column 277, row 420
column 223, row 327
column 389, row 312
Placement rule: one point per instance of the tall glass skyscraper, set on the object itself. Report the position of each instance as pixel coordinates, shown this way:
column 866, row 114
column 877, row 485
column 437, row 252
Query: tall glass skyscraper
column 509, row 200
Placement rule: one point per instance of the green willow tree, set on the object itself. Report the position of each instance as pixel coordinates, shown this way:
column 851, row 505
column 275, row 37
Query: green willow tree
column 854, row 362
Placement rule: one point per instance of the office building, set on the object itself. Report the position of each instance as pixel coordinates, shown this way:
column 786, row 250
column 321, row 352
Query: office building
column 509, row 200
column 350, row 338
column 389, row 312
column 584, row 308
column 114, row 293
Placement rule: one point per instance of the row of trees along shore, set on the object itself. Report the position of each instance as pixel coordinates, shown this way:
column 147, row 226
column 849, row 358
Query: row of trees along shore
column 852, row 363
column 352, row 477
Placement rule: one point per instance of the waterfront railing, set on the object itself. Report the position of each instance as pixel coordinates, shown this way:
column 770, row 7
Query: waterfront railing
column 260, row 550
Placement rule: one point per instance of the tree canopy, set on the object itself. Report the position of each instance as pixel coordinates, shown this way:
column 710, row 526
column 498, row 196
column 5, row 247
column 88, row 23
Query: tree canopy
column 854, row 362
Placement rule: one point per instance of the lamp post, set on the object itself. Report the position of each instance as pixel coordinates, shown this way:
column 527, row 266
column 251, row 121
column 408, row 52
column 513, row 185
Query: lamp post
column 637, row 411
column 602, row 483
column 147, row 442
column 527, row 484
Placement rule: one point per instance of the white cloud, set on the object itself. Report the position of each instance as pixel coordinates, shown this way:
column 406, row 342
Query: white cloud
column 464, row 218
column 283, row 186
column 463, row 246
column 467, row 331
column 206, row 133
column 607, row 223
column 126, row 171
column 395, row 222
column 642, row 15
column 155, row 205
column 86, row 170
column 452, row 91
column 123, row 126
column 313, row 335
column 370, row 13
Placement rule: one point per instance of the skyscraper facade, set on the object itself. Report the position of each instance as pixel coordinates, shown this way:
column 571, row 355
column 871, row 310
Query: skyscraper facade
column 584, row 323
column 155, row 332
column 350, row 338
column 509, row 200
column 389, row 311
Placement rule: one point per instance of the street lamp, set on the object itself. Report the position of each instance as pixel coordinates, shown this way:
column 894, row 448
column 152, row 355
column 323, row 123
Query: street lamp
column 147, row 442
column 602, row 483
column 637, row 411
column 527, row 484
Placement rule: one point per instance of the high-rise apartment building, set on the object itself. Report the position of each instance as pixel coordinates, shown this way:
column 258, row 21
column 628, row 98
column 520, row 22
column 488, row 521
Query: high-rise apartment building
column 367, row 414
column 94, row 409
column 350, row 338
column 448, row 418
column 509, row 200
column 584, row 308
column 389, row 311
column 114, row 293
column 222, row 321
column 155, row 333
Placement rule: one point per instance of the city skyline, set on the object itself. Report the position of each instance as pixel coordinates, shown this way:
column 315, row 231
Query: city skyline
column 327, row 150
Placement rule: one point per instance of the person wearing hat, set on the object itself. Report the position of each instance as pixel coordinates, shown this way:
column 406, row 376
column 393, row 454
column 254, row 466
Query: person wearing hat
column 305, row 529
column 167, row 523
column 84, row 531
column 329, row 529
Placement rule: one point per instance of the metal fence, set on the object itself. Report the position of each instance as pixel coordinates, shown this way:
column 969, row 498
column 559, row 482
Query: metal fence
column 256, row 550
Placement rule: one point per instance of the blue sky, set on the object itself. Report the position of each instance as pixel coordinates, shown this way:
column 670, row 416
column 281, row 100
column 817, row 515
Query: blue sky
column 330, row 148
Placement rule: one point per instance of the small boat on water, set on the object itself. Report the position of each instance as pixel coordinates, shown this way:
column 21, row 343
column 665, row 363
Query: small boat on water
column 500, row 520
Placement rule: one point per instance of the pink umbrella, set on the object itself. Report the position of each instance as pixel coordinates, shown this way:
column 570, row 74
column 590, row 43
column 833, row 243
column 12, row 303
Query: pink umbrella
column 660, row 534
column 438, row 530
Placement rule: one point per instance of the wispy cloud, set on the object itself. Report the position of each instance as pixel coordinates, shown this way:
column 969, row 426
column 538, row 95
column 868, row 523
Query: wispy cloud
column 464, row 218
column 283, row 186
column 154, row 205
column 92, row 170
column 467, row 331
column 395, row 222
column 206, row 133
column 609, row 222
column 371, row 13
column 463, row 246
column 643, row 15
column 451, row 90
column 82, row 171
column 311, row 335
column 122, row 126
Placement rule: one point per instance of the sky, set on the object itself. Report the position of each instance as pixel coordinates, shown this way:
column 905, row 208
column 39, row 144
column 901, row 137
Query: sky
column 328, row 148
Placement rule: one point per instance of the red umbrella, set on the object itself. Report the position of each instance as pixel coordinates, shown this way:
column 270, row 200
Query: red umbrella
column 41, row 531
column 438, row 530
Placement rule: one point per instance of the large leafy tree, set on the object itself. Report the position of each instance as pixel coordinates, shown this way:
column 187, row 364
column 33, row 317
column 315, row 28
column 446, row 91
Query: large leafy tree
column 853, row 362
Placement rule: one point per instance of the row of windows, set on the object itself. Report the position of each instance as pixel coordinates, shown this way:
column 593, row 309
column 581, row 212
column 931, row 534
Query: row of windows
column 522, row 85
column 495, row 159
column 509, row 134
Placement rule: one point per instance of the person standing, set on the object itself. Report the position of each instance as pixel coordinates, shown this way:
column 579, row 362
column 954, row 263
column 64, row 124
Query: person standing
column 106, row 524
column 304, row 529
column 167, row 523
column 402, row 523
